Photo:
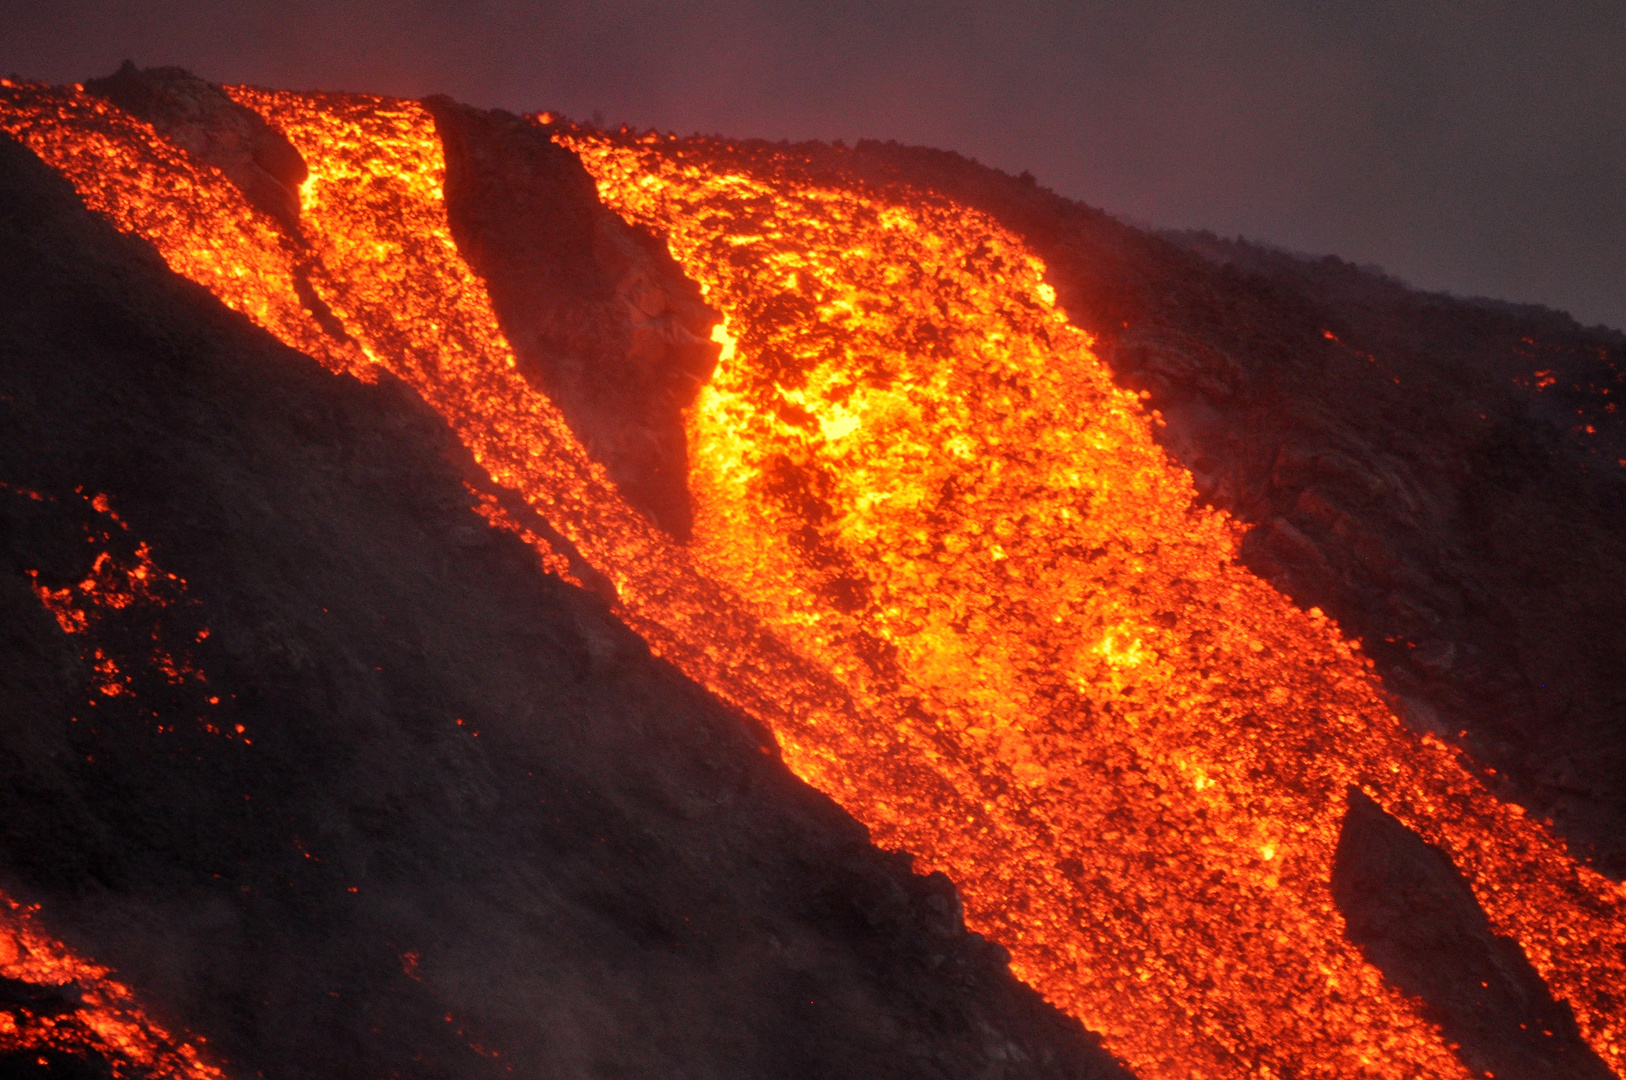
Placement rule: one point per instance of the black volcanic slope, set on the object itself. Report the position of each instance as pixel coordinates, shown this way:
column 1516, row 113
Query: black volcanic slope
column 599, row 871
column 466, row 812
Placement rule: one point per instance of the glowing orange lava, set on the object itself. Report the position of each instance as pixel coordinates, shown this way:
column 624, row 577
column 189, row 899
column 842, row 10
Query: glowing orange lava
column 80, row 1007
column 192, row 214
column 973, row 521
column 940, row 554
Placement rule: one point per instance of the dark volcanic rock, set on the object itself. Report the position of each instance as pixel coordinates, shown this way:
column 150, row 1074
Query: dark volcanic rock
column 1416, row 919
column 51, row 1064
column 198, row 117
column 467, row 826
column 599, row 315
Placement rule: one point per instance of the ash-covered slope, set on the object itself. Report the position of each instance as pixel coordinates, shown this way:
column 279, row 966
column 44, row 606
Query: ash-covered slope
column 1444, row 477
column 438, row 815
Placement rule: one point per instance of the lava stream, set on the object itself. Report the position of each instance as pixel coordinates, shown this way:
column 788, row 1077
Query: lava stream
column 940, row 554
column 973, row 517
column 79, row 1007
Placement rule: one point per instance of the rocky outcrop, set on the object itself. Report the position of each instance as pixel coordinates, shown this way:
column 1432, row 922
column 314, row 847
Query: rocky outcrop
column 1416, row 919
column 599, row 314
column 198, row 117
column 376, row 795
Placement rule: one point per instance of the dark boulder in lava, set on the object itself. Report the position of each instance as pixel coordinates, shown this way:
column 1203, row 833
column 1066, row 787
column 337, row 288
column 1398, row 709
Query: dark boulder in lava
column 600, row 316
column 1417, row 920
column 201, row 119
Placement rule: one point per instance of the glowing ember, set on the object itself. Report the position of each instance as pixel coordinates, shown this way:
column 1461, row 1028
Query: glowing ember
column 132, row 586
column 940, row 554
column 63, row 1003
column 77, row 1007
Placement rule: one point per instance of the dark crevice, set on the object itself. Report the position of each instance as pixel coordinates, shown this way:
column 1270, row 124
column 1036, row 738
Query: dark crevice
column 1416, row 919
column 317, row 307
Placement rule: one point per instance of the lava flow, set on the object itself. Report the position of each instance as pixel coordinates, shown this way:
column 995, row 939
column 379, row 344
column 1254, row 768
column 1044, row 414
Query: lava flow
column 61, row 1006
column 976, row 524
column 940, row 554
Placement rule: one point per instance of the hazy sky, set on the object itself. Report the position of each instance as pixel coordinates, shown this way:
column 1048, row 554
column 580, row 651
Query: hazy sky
column 1476, row 147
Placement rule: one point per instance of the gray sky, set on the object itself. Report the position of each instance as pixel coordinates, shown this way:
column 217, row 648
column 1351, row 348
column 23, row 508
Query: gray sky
column 1475, row 147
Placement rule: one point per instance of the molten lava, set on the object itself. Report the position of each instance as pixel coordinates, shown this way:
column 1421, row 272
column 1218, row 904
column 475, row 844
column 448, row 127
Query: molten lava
column 940, row 554
column 976, row 524
column 75, row 1006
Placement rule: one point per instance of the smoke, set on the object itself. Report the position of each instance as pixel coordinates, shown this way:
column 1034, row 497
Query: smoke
column 1479, row 148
